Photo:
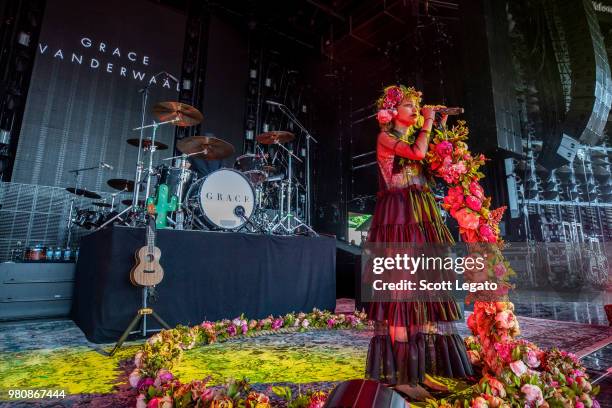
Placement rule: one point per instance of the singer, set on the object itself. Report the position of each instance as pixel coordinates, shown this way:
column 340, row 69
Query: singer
column 412, row 338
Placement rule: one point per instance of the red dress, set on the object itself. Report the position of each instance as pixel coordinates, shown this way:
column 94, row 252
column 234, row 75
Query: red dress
column 406, row 211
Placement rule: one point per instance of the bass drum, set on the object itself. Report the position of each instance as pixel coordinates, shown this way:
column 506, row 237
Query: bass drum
column 224, row 199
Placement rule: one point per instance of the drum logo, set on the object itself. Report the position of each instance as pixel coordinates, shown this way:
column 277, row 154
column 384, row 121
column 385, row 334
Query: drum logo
column 227, row 197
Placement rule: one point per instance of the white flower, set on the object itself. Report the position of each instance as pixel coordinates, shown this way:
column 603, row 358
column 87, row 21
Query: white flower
column 138, row 359
column 518, row 367
column 305, row 323
column 134, row 378
column 141, row 401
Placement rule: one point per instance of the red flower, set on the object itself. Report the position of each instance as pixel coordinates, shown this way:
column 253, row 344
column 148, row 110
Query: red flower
column 467, row 219
column 454, row 198
column 487, row 233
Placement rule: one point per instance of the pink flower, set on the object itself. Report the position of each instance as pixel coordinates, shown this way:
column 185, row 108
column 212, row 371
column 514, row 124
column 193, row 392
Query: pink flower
column 533, row 394
column 476, row 190
column 444, row 148
column 305, row 323
column 231, row 330
column 473, row 203
column 486, row 232
column 331, row 323
column 467, row 219
column 505, row 320
column 141, row 401
column 500, row 270
column 497, row 388
column 245, row 328
column 479, row 402
column 134, row 378
column 531, row 358
column 145, row 383
column 277, row 324
column 207, row 326
column 579, row 404
column 163, row 376
column 384, row 116
column 518, row 367
column 393, row 98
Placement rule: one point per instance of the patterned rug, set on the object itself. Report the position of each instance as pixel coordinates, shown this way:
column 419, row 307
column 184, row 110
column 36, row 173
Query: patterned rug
column 55, row 354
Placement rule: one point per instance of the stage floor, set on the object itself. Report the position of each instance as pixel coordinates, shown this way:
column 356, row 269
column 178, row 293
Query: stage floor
column 56, row 353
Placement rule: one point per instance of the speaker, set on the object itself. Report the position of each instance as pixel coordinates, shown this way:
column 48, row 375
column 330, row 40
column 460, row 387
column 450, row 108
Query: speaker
column 364, row 394
column 582, row 43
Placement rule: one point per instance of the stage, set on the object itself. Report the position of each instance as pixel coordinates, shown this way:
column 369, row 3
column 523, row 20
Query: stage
column 208, row 276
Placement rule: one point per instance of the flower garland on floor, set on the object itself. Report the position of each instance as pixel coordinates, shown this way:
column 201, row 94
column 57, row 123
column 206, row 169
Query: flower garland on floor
column 157, row 386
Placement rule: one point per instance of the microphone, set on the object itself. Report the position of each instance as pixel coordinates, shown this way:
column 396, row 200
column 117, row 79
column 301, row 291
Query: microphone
column 269, row 102
column 449, row 111
column 105, row 166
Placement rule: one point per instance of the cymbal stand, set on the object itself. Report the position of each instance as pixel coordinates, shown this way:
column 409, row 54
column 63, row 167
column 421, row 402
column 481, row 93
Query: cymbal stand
column 309, row 137
column 289, row 228
column 152, row 150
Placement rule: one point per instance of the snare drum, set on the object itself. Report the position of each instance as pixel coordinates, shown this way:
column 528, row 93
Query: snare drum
column 251, row 165
column 225, row 199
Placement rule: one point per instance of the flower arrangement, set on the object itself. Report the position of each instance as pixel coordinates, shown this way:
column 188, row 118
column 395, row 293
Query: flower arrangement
column 516, row 372
column 159, row 388
column 450, row 159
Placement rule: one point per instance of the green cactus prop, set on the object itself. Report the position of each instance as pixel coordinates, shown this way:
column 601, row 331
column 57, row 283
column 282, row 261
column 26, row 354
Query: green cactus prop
column 163, row 205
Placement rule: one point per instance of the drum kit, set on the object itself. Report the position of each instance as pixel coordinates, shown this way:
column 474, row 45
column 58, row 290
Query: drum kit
column 258, row 195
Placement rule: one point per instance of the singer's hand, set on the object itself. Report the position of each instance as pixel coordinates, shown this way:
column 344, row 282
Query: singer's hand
column 442, row 121
column 428, row 112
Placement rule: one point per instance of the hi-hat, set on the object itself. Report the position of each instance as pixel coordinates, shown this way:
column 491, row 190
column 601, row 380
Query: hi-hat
column 205, row 147
column 101, row 204
column 146, row 144
column 183, row 114
column 275, row 136
column 121, row 184
column 84, row 193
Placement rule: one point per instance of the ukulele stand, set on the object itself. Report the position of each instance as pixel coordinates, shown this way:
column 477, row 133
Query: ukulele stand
column 142, row 313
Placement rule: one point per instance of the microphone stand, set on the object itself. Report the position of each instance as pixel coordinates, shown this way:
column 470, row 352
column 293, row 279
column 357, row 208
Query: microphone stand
column 309, row 137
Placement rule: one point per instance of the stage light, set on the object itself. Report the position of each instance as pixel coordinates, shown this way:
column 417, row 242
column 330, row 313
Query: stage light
column 23, row 38
column 268, row 82
column 249, row 135
column 186, row 84
column 253, row 73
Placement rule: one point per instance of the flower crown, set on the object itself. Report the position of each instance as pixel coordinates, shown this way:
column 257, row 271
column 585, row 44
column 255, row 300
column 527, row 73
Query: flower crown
column 391, row 98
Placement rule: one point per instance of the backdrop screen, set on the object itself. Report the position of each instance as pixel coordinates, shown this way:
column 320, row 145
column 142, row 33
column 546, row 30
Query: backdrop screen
column 93, row 57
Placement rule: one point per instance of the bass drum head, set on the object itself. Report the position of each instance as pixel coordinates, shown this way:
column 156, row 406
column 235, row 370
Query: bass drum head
column 222, row 195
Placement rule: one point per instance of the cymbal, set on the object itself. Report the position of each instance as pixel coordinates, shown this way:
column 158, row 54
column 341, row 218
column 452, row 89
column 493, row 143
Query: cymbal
column 275, row 136
column 146, row 144
column 84, row 193
column 186, row 115
column 205, row 147
column 101, row 204
column 129, row 202
column 121, row 184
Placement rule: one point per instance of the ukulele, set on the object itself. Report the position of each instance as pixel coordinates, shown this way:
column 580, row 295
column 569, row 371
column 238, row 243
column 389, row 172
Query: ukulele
column 148, row 271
